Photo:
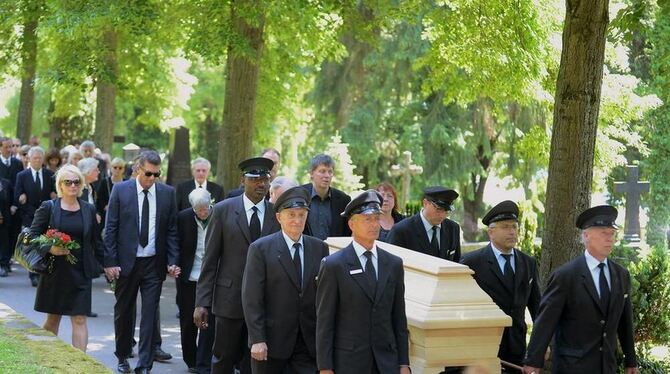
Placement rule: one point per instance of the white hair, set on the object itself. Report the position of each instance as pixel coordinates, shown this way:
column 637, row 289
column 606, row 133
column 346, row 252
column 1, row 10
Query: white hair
column 35, row 149
column 199, row 197
column 284, row 182
column 201, row 160
column 86, row 165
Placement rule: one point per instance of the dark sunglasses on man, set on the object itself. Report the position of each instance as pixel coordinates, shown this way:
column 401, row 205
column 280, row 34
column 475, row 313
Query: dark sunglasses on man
column 149, row 174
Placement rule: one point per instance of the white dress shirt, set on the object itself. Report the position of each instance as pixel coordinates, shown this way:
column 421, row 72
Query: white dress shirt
column 204, row 184
column 248, row 205
column 199, row 251
column 291, row 249
column 592, row 263
column 501, row 260
column 429, row 228
column 360, row 252
column 35, row 174
column 150, row 249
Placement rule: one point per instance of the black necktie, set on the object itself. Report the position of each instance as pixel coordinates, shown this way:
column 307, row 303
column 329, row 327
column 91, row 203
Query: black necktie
column 144, row 226
column 370, row 272
column 38, row 182
column 434, row 244
column 254, row 225
column 508, row 276
column 296, row 262
column 604, row 287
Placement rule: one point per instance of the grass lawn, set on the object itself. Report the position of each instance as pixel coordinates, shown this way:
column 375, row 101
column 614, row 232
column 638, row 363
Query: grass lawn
column 33, row 350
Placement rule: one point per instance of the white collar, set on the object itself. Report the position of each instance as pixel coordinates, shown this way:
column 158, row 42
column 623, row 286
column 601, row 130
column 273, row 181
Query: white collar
column 360, row 249
column 152, row 189
column 498, row 252
column 290, row 242
column 204, row 184
column 248, row 204
column 593, row 262
column 427, row 224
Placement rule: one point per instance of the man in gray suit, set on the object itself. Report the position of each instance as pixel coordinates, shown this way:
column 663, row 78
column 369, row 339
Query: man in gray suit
column 236, row 223
column 140, row 249
column 361, row 326
column 279, row 291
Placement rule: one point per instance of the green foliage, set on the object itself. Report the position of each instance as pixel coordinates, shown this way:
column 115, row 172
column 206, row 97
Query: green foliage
column 649, row 364
column 528, row 224
column 651, row 298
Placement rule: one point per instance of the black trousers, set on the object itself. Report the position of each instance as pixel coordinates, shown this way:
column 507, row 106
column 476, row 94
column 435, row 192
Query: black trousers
column 195, row 355
column 143, row 278
column 230, row 346
column 300, row 362
column 6, row 248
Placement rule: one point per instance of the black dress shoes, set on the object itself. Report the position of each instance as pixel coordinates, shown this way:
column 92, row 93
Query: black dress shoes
column 123, row 366
column 160, row 355
column 142, row 371
column 92, row 314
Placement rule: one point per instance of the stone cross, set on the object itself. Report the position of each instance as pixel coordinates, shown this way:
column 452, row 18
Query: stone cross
column 633, row 189
column 406, row 169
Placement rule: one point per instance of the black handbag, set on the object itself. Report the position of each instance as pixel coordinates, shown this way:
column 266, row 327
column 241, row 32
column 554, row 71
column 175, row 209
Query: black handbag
column 28, row 255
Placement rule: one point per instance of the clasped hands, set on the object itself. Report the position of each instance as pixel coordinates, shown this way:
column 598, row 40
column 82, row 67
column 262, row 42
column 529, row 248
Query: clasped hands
column 113, row 272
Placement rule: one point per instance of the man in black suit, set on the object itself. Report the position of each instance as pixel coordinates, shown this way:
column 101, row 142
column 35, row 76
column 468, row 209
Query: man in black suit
column 509, row 276
column 140, row 248
column 11, row 224
column 431, row 231
column 279, row 291
column 200, row 168
column 361, row 326
column 236, row 223
column 586, row 306
column 192, row 226
column 33, row 186
column 327, row 203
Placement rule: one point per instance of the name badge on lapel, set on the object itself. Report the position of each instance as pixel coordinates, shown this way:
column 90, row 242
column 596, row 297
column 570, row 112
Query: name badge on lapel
column 356, row 271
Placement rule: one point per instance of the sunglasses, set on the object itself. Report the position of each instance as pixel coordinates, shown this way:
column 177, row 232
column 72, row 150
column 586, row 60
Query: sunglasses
column 149, row 174
column 70, row 182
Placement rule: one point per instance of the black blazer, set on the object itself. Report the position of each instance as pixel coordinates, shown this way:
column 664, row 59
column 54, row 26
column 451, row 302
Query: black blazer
column 187, row 240
column 10, row 172
column 352, row 325
column 410, row 233
column 585, row 335
column 338, row 201
column 36, row 195
column 122, row 231
column 526, row 293
column 236, row 192
column 6, row 201
column 92, row 247
column 227, row 242
column 275, row 305
column 185, row 188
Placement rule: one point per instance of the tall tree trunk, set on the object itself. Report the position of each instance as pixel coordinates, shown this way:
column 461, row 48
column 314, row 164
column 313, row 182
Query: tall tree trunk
column 239, row 108
column 24, row 123
column 574, row 131
column 105, row 110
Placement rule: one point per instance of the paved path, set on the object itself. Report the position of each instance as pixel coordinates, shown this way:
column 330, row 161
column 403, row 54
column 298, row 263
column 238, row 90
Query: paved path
column 17, row 292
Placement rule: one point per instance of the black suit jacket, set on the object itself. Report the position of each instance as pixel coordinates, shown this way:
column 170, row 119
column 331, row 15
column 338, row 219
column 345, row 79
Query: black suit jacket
column 410, row 233
column 338, row 201
column 185, row 188
column 277, row 307
column 227, row 242
column 36, row 195
column 236, row 192
column 6, row 201
column 92, row 248
column 585, row 335
column 354, row 326
column 187, row 234
column 10, row 172
column 122, row 228
column 526, row 293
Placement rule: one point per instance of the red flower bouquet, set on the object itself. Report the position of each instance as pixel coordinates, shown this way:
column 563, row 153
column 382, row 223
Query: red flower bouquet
column 56, row 238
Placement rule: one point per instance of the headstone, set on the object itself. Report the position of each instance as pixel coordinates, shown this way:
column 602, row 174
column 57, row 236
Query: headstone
column 633, row 189
column 179, row 163
column 130, row 151
column 406, row 170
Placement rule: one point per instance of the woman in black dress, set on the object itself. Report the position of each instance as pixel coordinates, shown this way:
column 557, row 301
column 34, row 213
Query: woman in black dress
column 390, row 215
column 66, row 289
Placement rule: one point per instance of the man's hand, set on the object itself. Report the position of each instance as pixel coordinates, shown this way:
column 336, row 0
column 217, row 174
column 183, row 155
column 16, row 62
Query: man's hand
column 632, row 371
column 174, row 270
column 13, row 209
column 259, row 351
column 98, row 218
column 23, row 198
column 112, row 273
column 531, row 370
column 200, row 317
column 326, row 371
column 405, row 370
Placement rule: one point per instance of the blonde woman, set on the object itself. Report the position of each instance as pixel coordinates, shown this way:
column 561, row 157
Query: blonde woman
column 66, row 289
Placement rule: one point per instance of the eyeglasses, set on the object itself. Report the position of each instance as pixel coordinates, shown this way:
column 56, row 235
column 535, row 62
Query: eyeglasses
column 149, row 174
column 70, row 182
